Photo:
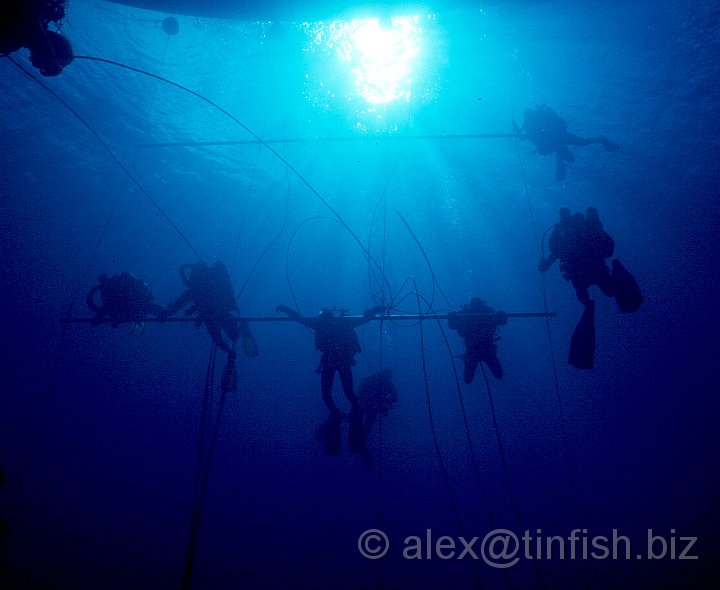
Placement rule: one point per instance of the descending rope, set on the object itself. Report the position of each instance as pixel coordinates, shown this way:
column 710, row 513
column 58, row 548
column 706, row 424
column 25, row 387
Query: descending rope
column 243, row 214
column 471, row 446
column 289, row 247
column 553, row 356
column 503, row 453
column 382, row 200
column 540, row 241
column 113, row 156
column 272, row 150
column 200, row 468
column 435, row 283
column 207, row 445
column 506, row 473
column 267, row 249
column 273, row 241
column 441, row 462
column 468, row 435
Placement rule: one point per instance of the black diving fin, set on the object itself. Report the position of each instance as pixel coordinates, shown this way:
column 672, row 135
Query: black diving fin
column 582, row 343
column 626, row 289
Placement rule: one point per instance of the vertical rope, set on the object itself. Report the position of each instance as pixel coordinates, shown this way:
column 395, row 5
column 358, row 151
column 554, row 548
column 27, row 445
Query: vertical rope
column 441, row 462
column 540, row 241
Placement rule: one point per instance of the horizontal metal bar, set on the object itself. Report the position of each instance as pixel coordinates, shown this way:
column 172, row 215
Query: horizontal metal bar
column 358, row 138
column 397, row 317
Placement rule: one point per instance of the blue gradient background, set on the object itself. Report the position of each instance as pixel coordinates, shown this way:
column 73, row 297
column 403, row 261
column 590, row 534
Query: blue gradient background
column 98, row 430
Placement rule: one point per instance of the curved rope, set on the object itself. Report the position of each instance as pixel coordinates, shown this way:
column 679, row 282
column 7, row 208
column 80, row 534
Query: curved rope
column 441, row 462
column 273, row 151
column 207, row 446
column 112, row 155
column 289, row 247
column 435, row 282
column 201, row 469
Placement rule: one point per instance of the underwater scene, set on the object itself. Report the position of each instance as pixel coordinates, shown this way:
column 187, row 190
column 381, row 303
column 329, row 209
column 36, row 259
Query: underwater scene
column 359, row 295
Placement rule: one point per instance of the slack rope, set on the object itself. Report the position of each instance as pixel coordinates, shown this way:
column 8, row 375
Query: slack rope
column 471, row 445
column 207, row 445
column 443, row 468
column 506, row 473
column 200, row 468
column 258, row 139
column 106, row 147
column 435, row 283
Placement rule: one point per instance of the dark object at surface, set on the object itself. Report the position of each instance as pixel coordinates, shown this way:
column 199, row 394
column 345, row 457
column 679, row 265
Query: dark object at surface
column 627, row 291
column 171, row 26
column 25, row 24
column 582, row 343
column 53, row 55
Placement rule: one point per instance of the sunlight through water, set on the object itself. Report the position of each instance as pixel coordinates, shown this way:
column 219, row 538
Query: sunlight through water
column 379, row 53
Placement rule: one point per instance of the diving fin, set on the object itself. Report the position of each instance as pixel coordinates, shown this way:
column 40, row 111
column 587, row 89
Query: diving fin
column 609, row 145
column 627, row 292
column 356, row 435
column 582, row 343
column 333, row 443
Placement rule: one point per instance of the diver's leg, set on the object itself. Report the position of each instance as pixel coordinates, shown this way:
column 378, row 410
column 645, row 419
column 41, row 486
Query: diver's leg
column 565, row 154
column 333, row 441
column 581, row 291
column 213, row 329
column 604, row 281
column 356, row 434
column 572, row 139
column 609, row 145
column 327, row 376
column 346, row 379
column 470, row 368
column 230, row 325
column 493, row 363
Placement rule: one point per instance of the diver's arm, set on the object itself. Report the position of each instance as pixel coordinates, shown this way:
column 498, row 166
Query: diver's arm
column 368, row 315
column 179, row 303
column 244, row 328
column 546, row 263
column 295, row 316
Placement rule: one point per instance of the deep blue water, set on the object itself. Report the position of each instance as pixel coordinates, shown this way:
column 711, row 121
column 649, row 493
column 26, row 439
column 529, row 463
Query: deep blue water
column 99, row 428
